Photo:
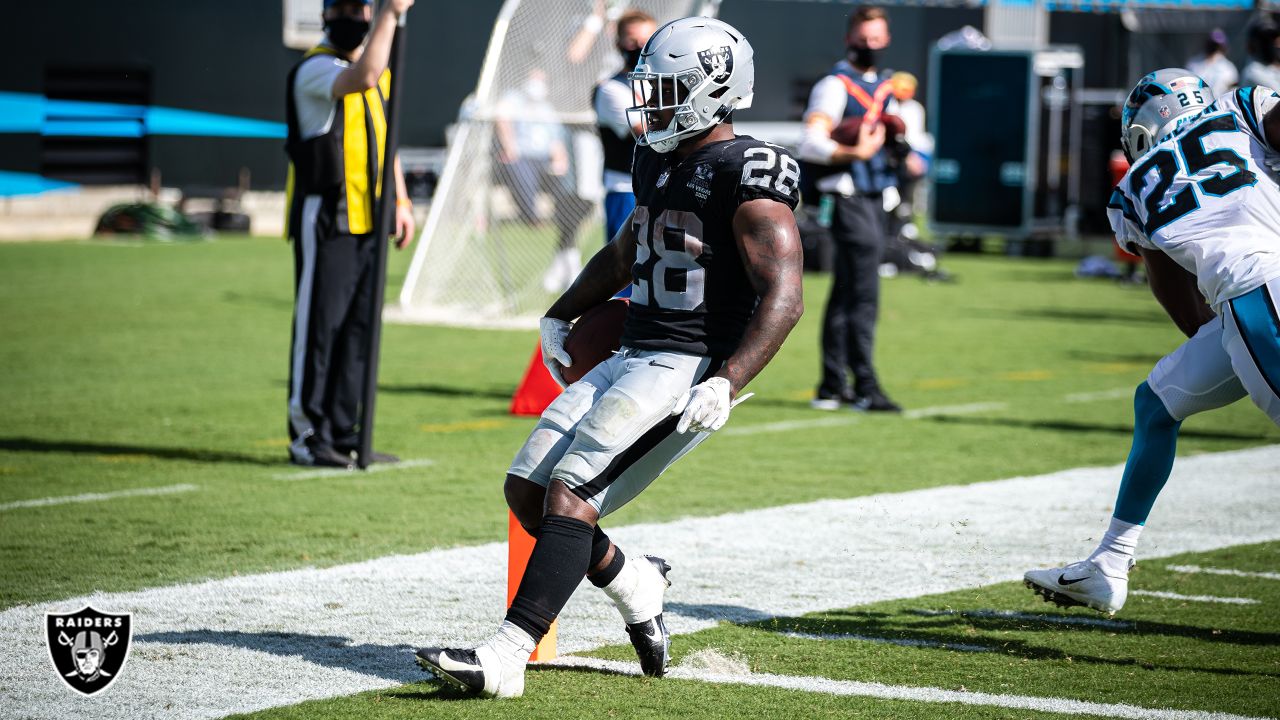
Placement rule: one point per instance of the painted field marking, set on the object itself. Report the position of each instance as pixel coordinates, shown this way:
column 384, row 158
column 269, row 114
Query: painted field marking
column 881, row 691
column 1029, row 617
column 1195, row 598
column 340, row 472
column 287, row 637
column 904, row 642
column 789, row 425
column 1222, row 571
column 1113, row 394
column 96, row 497
column 850, row 417
column 968, row 409
column 463, row 425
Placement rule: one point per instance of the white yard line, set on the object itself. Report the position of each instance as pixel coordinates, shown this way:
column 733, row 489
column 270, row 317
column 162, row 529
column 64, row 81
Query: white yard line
column 1083, row 620
column 1222, row 571
column 339, row 472
column 96, row 497
column 1195, row 598
column 881, row 691
column 849, row 417
column 1113, row 394
column 904, row 642
column 968, row 409
column 284, row 638
column 845, row 418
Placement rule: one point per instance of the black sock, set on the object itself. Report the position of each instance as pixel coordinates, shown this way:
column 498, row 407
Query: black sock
column 559, row 560
column 610, row 571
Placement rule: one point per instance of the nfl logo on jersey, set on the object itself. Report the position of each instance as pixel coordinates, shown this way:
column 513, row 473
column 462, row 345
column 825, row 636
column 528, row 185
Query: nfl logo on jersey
column 1165, row 112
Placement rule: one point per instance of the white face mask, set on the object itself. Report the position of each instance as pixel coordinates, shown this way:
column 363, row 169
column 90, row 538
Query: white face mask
column 536, row 89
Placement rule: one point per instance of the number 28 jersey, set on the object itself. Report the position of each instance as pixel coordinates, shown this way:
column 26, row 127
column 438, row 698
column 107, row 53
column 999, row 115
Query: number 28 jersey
column 690, row 292
column 1206, row 197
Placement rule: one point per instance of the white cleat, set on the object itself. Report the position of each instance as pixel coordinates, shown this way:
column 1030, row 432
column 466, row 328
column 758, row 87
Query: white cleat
column 1080, row 583
column 495, row 669
column 637, row 592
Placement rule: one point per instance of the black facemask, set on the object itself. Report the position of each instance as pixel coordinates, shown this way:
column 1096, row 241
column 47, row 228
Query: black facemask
column 862, row 57
column 630, row 58
column 346, row 33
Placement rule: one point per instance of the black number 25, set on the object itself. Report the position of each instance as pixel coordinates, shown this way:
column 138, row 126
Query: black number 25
column 1192, row 155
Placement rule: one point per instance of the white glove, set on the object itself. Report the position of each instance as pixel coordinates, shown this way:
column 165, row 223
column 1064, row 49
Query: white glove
column 553, row 353
column 705, row 406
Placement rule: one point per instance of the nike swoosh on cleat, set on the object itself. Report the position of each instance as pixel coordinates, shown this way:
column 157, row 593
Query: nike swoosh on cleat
column 448, row 664
column 1062, row 580
column 655, row 636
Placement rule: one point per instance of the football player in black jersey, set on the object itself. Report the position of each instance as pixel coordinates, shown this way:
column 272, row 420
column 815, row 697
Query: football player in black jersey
column 714, row 260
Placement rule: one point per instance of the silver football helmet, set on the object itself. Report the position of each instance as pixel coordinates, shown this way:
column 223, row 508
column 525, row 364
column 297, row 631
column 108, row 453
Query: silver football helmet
column 1160, row 103
column 699, row 68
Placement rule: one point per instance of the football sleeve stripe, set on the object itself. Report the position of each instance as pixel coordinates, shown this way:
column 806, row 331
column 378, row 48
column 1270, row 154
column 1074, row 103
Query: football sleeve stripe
column 1119, row 201
column 1244, row 97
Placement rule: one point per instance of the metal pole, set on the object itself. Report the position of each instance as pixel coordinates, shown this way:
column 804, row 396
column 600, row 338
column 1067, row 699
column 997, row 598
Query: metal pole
column 386, row 209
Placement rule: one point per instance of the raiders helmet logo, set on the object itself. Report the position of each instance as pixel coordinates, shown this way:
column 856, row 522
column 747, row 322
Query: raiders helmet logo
column 717, row 63
column 88, row 647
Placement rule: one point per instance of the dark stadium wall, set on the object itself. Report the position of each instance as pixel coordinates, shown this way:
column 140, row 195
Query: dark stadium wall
column 226, row 57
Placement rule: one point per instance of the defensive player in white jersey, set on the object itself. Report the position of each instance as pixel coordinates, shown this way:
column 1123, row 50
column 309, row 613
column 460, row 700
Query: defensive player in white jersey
column 1202, row 205
column 713, row 258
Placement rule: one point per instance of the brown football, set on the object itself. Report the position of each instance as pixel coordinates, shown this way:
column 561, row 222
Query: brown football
column 846, row 133
column 594, row 337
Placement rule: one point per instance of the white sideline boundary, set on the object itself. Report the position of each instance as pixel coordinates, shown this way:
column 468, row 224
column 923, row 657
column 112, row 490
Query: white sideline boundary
column 1194, row 598
column 97, row 497
column 247, row 643
column 881, row 691
column 1222, row 571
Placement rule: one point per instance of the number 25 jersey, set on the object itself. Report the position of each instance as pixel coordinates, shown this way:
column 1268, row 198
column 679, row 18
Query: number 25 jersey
column 1206, row 197
column 690, row 292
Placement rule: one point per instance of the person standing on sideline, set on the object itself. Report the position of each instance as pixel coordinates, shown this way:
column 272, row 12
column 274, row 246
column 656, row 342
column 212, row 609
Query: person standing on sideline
column 1218, row 72
column 610, row 99
column 336, row 107
column 1263, row 67
column 860, row 174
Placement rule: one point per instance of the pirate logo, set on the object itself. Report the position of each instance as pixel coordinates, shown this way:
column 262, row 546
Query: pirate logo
column 88, row 648
column 717, row 63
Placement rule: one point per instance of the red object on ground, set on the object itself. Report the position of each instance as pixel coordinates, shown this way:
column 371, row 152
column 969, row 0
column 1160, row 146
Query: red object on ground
column 536, row 390
column 519, row 548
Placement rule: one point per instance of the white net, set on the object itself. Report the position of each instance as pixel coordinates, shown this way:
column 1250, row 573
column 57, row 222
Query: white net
column 517, row 210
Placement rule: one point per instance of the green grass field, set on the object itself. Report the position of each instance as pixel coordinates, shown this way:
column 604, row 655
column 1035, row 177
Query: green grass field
column 148, row 366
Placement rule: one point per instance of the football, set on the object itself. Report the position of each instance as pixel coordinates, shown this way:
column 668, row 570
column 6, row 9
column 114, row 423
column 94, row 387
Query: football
column 594, row 337
column 846, row 133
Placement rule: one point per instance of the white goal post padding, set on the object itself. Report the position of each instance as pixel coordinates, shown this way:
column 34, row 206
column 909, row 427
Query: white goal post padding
column 522, row 178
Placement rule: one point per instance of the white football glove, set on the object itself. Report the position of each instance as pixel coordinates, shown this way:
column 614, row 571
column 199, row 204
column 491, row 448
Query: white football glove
column 704, row 407
column 553, row 353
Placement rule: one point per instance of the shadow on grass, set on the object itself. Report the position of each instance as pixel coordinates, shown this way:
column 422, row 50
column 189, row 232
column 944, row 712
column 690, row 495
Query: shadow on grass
column 1096, row 356
column 1083, row 427
column 493, row 392
column 390, row 662
column 85, row 447
column 1074, row 315
column 956, row 630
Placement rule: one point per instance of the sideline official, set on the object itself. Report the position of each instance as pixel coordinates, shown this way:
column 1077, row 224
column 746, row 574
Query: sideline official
column 858, row 176
column 336, row 111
